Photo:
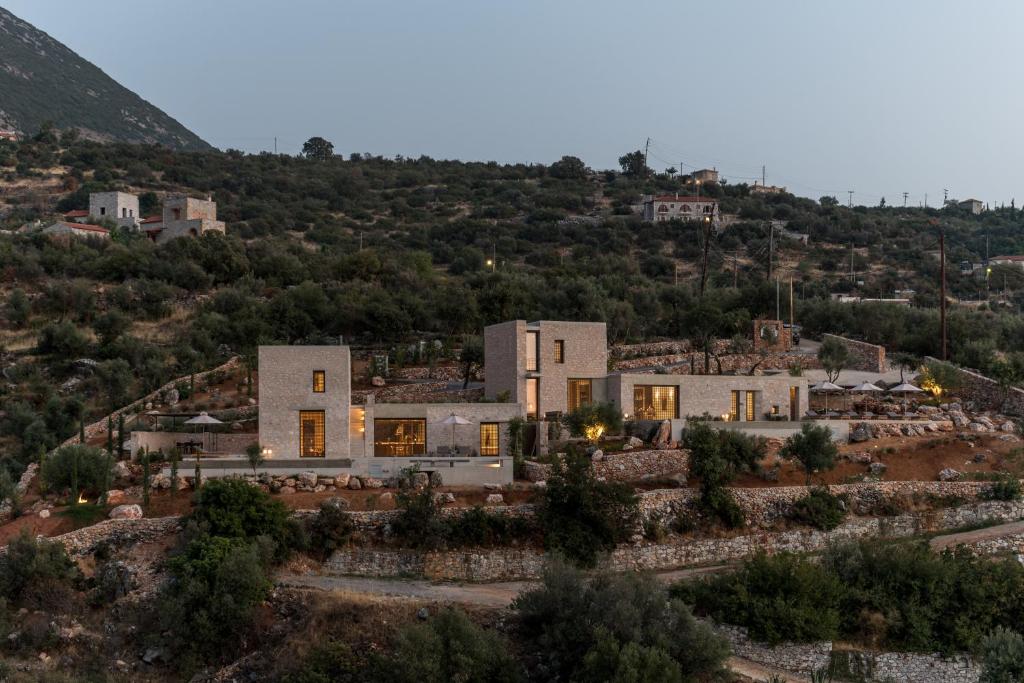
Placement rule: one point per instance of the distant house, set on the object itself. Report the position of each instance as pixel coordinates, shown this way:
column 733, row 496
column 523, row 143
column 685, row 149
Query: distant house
column 9, row 135
column 975, row 206
column 675, row 207
column 706, row 175
column 183, row 216
column 766, row 189
column 77, row 230
column 77, row 216
column 1007, row 261
column 120, row 207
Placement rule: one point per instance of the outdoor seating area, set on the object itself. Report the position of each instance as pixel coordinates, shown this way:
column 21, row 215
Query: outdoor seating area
column 865, row 401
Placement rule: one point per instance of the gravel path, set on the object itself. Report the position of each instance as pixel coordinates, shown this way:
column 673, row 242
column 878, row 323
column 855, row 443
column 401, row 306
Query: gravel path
column 968, row 537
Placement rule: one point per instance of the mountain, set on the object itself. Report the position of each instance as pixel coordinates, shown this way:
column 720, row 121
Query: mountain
column 43, row 80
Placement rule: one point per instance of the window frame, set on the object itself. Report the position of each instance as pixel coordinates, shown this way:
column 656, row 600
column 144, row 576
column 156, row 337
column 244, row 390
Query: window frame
column 649, row 391
column 490, row 450
column 319, row 418
column 379, row 421
column 319, row 381
column 559, row 351
column 578, row 382
column 532, row 345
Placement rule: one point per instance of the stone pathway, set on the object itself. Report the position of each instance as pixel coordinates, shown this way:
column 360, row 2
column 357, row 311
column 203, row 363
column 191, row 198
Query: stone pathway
column 940, row 543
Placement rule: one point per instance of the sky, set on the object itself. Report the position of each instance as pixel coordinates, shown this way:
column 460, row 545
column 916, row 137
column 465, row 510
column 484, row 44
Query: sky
column 916, row 96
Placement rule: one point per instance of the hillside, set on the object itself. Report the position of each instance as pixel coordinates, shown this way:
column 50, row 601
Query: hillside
column 42, row 80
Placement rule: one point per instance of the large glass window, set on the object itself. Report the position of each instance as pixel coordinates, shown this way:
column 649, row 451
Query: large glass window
column 399, row 437
column 655, row 402
column 319, row 381
column 531, row 351
column 734, row 406
column 531, row 398
column 559, row 350
column 751, row 408
column 488, row 438
column 311, row 434
column 580, row 392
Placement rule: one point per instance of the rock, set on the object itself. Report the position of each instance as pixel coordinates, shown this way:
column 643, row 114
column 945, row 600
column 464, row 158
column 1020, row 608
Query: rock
column 372, row 483
column 307, row 478
column 492, row 487
column 877, row 468
column 291, row 481
column 286, row 490
column 153, row 654
column 354, row 483
column 949, row 474
column 860, row 457
column 387, row 498
column 173, row 397
column 436, row 479
column 978, row 427
column 494, row 499
column 664, row 435
column 1008, row 427
column 160, row 481
column 319, row 488
column 597, row 455
column 634, row 442
column 335, row 501
column 126, row 512
column 43, row 514
column 859, row 434
column 341, row 480
column 122, row 471
column 325, row 481
column 420, row 480
column 422, row 614
column 377, row 381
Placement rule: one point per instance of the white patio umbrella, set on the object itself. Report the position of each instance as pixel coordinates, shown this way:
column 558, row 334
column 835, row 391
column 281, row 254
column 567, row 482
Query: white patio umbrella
column 205, row 420
column 867, row 386
column 826, row 388
column 454, row 420
column 905, row 388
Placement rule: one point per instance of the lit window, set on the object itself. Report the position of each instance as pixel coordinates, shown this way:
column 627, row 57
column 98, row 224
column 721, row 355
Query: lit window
column 532, row 341
column 531, row 398
column 580, row 393
column 319, row 381
column 311, row 434
column 655, row 402
column 559, row 351
column 750, row 406
column 488, row 438
column 734, row 406
column 399, row 437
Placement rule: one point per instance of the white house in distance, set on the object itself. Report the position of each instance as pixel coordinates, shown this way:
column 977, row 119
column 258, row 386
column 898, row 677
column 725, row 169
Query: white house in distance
column 669, row 207
column 182, row 216
column 1014, row 260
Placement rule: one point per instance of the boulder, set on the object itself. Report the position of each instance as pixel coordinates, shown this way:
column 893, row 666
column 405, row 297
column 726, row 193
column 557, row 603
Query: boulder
column 160, row 481
column 664, row 435
column 172, row 397
column 307, row 479
column 341, row 480
column 372, row 483
column 377, row 381
column 290, row 481
column 494, row 499
column 949, row 474
column 877, row 468
column 319, row 488
column 122, row 470
column 286, row 490
column 387, row 499
column 354, row 483
column 115, row 496
column 597, row 455
column 860, row 433
column 335, row 501
column 43, row 514
column 325, row 481
column 1008, row 427
column 420, row 480
column 436, row 479
column 634, row 442
column 126, row 512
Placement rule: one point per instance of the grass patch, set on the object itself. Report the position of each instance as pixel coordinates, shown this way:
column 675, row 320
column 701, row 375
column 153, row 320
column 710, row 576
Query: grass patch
column 84, row 514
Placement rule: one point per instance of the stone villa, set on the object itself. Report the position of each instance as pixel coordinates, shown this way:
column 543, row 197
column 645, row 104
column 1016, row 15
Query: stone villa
column 678, row 207
column 307, row 420
column 182, row 216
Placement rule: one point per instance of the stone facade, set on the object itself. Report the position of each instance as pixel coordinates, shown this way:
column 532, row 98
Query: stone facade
column 863, row 356
column 771, row 336
column 184, row 216
column 625, row 466
column 212, row 443
column 987, row 394
column 120, row 207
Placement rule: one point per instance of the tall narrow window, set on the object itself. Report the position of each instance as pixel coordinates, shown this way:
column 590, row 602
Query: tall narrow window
column 734, row 406
column 580, row 392
column 559, row 350
column 531, row 398
column 531, row 351
column 311, row 434
column 319, row 381
column 655, row 403
column 751, row 412
column 103, row 211
column 488, row 438
column 399, row 437
column 124, row 212
column 794, row 403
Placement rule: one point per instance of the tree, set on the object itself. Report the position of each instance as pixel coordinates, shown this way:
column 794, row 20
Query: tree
column 591, row 420
column 472, row 357
column 828, row 201
column 940, row 378
column 833, row 356
column 254, row 454
column 114, row 376
column 317, row 148
column 702, row 324
column 568, row 168
column 812, row 447
column 1002, row 657
column 634, row 164
column 18, row 308
column 716, row 457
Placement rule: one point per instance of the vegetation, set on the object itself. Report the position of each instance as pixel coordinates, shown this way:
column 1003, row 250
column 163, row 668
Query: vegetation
column 78, row 469
column 330, row 528
column 422, row 524
column 613, row 628
column 893, row 596
column 834, row 356
column 591, row 420
column 233, row 508
column 37, row 574
column 813, row 447
column 1002, row 657
column 716, row 457
column 819, row 509
column 580, row 516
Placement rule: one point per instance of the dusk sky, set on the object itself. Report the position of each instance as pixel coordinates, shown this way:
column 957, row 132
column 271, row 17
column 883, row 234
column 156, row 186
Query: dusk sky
column 876, row 97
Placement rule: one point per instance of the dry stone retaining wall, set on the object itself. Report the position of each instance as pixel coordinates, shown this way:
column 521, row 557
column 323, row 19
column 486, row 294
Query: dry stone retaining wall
column 863, row 356
column 987, row 394
column 624, row 466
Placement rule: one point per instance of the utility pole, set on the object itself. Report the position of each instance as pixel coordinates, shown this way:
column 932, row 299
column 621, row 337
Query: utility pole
column 771, row 248
column 762, row 175
column 704, row 260
column 778, row 310
column 850, row 202
column 945, row 195
column 926, row 200
column 791, row 328
column 275, row 144
column 851, row 263
column 905, row 200
column 735, row 270
column 942, row 288
column 647, row 146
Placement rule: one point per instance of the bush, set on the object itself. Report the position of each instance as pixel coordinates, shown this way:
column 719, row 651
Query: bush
column 819, row 509
column 233, row 508
column 37, row 573
column 1004, row 488
column 447, row 648
column 1002, row 657
column 212, row 600
column 812, row 447
column 591, row 420
column 716, row 457
column 478, row 527
column 571, row 624
column 330, row 529
column 419, row 524
column 581, row 517
column 330, row 662
column 611, row 662
column 83, row 466
column 777, row 598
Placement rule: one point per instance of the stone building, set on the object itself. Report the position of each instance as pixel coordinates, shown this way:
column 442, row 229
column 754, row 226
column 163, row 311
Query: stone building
column 705, row 175
column 678, row 207
column 183, row 216
column 120, row 207
column 84, row 230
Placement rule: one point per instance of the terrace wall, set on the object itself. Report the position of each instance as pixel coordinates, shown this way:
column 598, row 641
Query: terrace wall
column 863, row 356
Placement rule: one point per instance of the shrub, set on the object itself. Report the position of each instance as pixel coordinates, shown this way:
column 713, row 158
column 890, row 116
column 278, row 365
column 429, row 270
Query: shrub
column 582, row 517
column 447, row 648
column 611, row 662
column 419, row 524
column 812, row 447
column 819, row 509
column 569, row 619
column 211, row 602
column 591, row 420
column 233, row 508
column 81, row 465
column 37, row 573
column 777, row 598
column 1002, row 657
column 1004, row 488
column 330, row 662
column 330, row 529
column 716, row 457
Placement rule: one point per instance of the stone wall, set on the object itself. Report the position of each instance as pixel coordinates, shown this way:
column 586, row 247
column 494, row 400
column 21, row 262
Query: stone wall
column 863, row 356
column 116, row 532
column 987, row 394
column 624, row 466
column 799, row 658
column 730, row 362
column 906, row 667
